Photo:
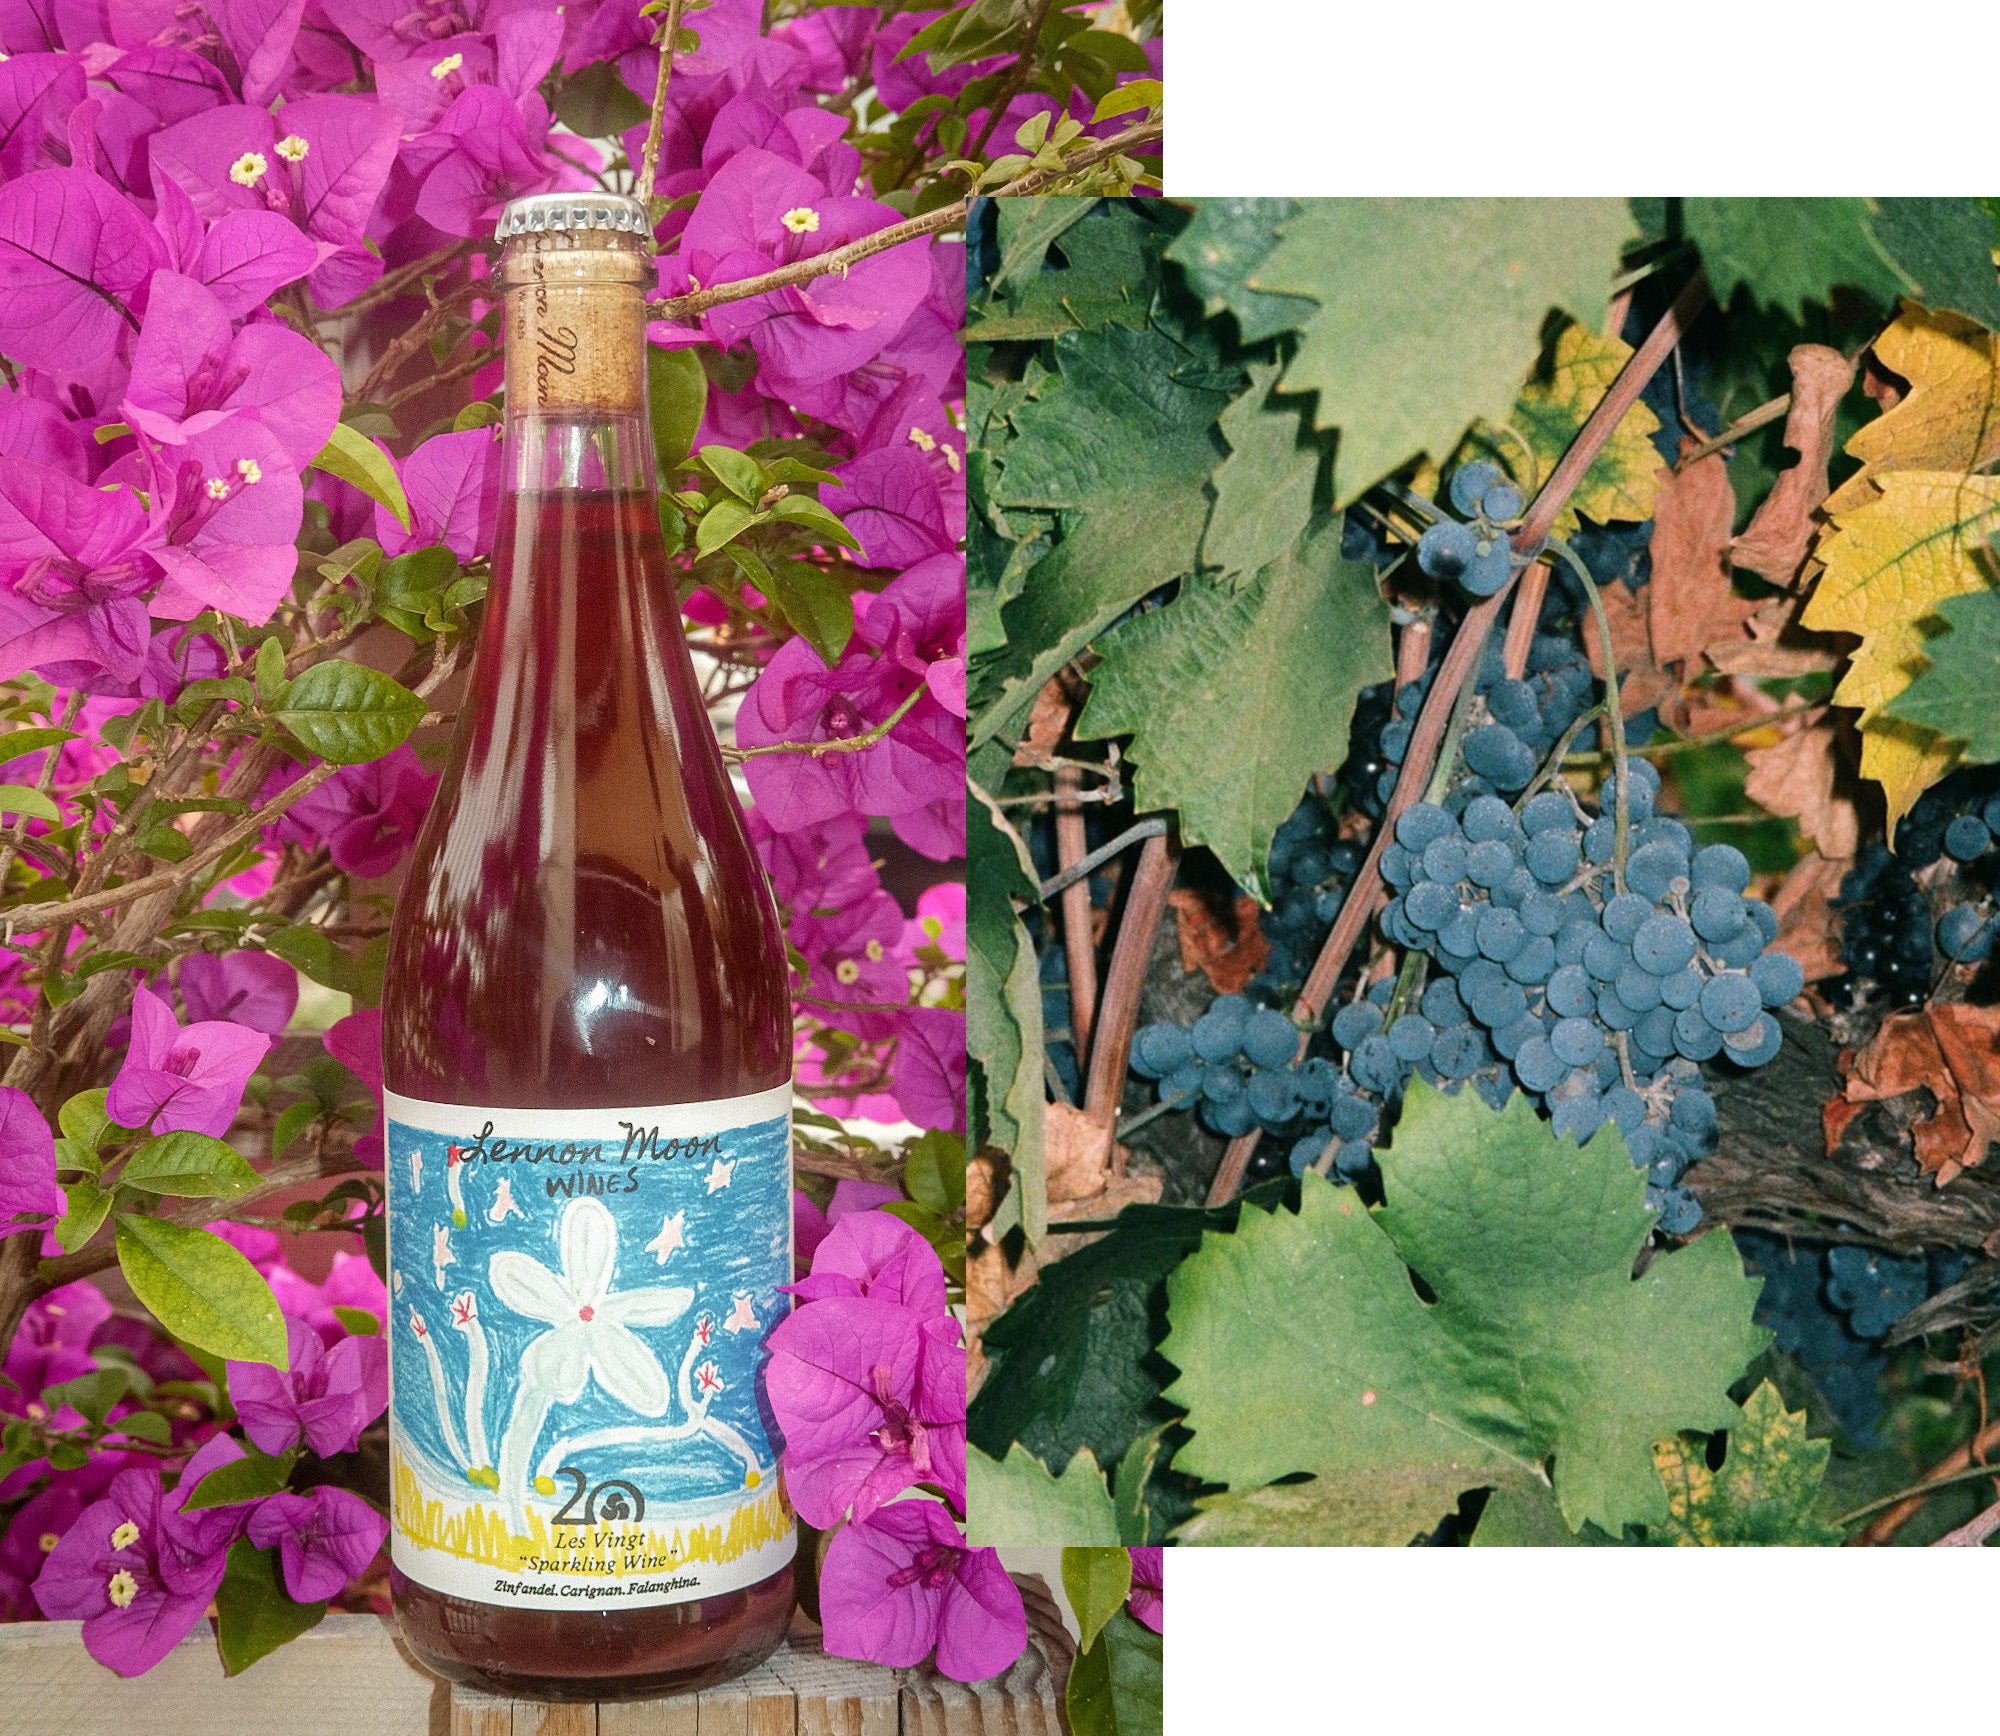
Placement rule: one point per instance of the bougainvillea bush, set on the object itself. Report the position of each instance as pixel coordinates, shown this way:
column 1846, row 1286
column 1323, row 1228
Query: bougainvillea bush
column 248, row 485
column 1483, row 1003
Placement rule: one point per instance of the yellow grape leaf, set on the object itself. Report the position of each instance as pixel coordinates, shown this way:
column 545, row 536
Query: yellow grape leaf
column 1546, row 417
column 1949, row 419
column 1888, row 564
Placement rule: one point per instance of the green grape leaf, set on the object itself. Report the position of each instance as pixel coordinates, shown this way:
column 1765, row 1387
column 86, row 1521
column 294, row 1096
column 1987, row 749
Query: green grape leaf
column 1789, row 253
column 1118, row 1687
column 1305, row 1346
column 1766, row 1492
column 1121, row 448
column 1003, row 1004
column 1222, row 253
column 348, row 713
column 1264, row 488
column 1097, row 1583
column 1017, row 1500
column 201, row 1290
column 1431, row 312
column 354, row 458
column 189, row 1166
column 1943, row 251
column 254, row 1615
column 1131, row 1487
column 1235, row 698
column 1111, row 261
column 1528, row 1518
column 1953, row 695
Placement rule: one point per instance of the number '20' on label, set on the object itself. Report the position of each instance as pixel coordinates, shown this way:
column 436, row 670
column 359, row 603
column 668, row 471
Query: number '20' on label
column 578, row 1307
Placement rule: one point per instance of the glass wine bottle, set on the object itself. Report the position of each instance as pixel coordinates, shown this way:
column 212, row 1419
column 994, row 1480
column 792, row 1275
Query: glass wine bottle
column 587, row 1037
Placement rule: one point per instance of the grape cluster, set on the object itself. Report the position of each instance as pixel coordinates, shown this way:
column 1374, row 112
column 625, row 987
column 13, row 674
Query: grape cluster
column 1309, row 870
column 1885, row 928
column 1874, row 1290
column 1475, row 556
column 1846, row 1368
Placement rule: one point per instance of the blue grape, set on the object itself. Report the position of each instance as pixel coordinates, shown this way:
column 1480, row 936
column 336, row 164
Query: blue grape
column 1420, row 823
column 1680, row 1211
column 1553, row 857
column 1446, row 549
column 1444, row 858
column 1653, row 869
column 1550, row 811
column 1576, row 1042
column 1183, row 1084
column 1779, row 978
column 1308, row 1151
column 1963, row 935
column 1471, row 482
column 1459, row 1052
column 1730, row 1002
column 1663, row 945
column 1756, row 1045
column 1569, row 992
column 1220, row 1084
column 1410, row 1037
column 1354, row 1117
column 1442, row 1004
column 1489, row 862
column 1966, row 839
column 1501, row 934
column 1536, row 1065
column 1274, row 1097
column 1625, row 915
column 1355, row 1023
column 1722, row 866
column 1695, row 1037
column 1533, row 962
column 1487, row 819
column 1513, row 703
column 1218, row 1033
column 1717, row 913
column 1502, row 501
column 1637, row 987
column 1375, row 1067
column 1604, row 958
column 1160, row 1049
column 1495, row 751
column 1269, row 1039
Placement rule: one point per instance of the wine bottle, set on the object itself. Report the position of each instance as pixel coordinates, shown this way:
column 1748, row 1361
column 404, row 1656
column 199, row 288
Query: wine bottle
column 587, row 1035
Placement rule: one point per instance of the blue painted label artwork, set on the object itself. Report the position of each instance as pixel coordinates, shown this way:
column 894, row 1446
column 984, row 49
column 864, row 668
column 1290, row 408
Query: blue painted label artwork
column 579, row 1304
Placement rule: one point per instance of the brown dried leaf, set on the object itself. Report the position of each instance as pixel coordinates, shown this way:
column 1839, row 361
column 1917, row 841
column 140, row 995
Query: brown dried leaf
column 981, row 1195
column 1644, row 683
column 1797, row 777
column 1689, row 600
column 1953, row 1051
column 1774, row 644
column 1775, row 542
column 1228, row 956
column 1077, row 1151
column 1803, row 905
column 1046, row 723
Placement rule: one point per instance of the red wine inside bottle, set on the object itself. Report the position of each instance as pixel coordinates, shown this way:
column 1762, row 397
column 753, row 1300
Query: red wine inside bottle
column 587, row 1035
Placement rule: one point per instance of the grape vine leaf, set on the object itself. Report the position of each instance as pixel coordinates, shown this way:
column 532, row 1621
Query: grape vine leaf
column 1766, row 1492
column 1234, row 698
column 1221, row 252
column 1304, row 1345
column 1888, row 565
column 1943, row 251
column 1431, row 312
column 1553, row 406
column 1003, row 1001
column 1948, row 419
column 1018, row 1500
column 1954, row 696
column 1789, row 253
column 1528, row 1518
column 1121, row 447
column 1264, row 488
column 1110, row 264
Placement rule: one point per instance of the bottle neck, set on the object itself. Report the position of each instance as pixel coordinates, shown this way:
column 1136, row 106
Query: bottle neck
column 578, row 453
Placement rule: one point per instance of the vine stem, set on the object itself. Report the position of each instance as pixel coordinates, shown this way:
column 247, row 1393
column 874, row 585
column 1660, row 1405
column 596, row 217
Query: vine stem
column 656, row 118
column 1079, row 945
column 1614, row 715
column 1960, row 1467
column 17, row 833
column 1133, row 834
column 1017, row 75
column 1118, row 1012
column 1461, row 660
column 945, row 217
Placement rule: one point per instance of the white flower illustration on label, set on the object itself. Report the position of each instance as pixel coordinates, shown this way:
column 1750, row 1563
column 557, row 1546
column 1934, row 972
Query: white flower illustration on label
column 589, row 1335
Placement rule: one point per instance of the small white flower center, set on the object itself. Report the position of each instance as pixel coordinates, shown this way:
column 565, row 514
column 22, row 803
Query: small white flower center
column 447, row 66
column 217, row 488
column 47, row 1542
column 248, row 169
column 922, row 441
column 847, row 971
column 250, row 470
column 951, row 459
column 125, row 1536
column 801, row 220
column 122, row 1588
column 293, row 148
column 874, row 951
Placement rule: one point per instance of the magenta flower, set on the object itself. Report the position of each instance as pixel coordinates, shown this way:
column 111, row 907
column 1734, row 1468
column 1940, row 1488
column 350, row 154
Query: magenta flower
column 809, row 1230
column 242, row 260
column 75, row 259
column 871, row 1398
column 1147, row 1603
column 350, row 1283
column 37, row 92
column 356, row 1043
column 891, row 501
column 930, row 1067
column 327, row 1398
column 851, row 1196
column 192, row 1545
column 453, row 484
column 324, row 1538
column 873, row 1254
column 27, row 1163
column 108, row 1573
column 52, row 1343
column 253, row 989
column 902, row 1582
column 368, row 814
column 182, row 1079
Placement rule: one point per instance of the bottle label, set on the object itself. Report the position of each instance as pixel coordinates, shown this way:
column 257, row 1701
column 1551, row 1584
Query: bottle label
column 579, row 1301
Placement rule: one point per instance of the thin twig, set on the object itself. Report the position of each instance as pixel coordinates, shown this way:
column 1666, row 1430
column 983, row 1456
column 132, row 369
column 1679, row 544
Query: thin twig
column 1133, row 834
column 1461, row 659
column 1761, row 417
column 1974, row 1532
column 394, row 283
column 1017, row 77
column 18, row 832
column 1962, row 1466
column 1079, row 945
column 946, row 217
column 841, row 744
column 1118, row 1013
column 1708, row 737
column 649, row 161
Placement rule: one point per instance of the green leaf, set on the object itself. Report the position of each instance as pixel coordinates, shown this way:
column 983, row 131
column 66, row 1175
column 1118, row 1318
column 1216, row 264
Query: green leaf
column 254, row 1615
column 1141, row 93
column 1118, row 1687
column 348, row 713
column 1304, row 1345
column 1528, row 1518
column 1235, row 698
column 480, row 413
column 723, row 523
column 22, row 799
column 357, row 1322
column 189, row 1166
column 249, row 1478
column 1788, row 253
column 83, row 1117
column 1431, row 312
column 1025, row 230
column 145, row 1425
column 1018, row 1501
column 677, row 399
column 1121, row 450
column 595, row 103
column 354, row 458
column 1953, row 695
column 1222, row 253
column 87, row 1205
column 1110, row 252
column 1942, row 249
column 295, row 1119
column 934, row 1172
column 1766, row 1492
column 737, row 471
column 410, row 586
column 202, row 1290
column 1131, row 1487
column 16, row 743
column 1003, row 998
column 1097, row 1583
column 1264, row 488
column 271, row 682
column 90, row 1395
column 312, row 953
column 798, row 509
column 816, row 604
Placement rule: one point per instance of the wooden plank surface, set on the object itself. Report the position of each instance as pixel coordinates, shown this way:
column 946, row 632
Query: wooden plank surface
column 348, row 1677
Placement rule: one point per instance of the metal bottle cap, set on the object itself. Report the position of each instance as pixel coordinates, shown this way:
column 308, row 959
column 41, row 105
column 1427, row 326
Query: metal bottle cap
column 544, row 213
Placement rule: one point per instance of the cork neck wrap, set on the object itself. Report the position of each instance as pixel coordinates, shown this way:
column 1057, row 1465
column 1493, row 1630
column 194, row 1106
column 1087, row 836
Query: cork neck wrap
column 576, row 322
